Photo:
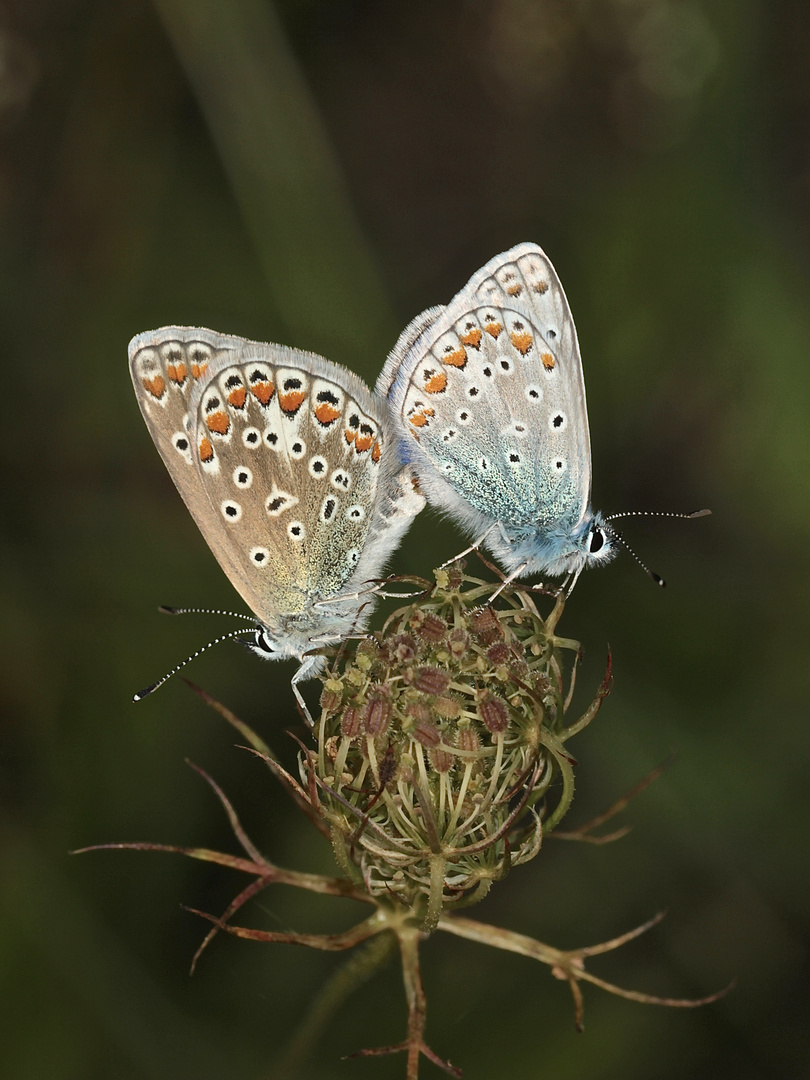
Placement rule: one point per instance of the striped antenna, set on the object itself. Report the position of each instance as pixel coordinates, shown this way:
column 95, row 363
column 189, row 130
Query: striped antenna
column 649, row 513
column 658, row 513
column 165, row 609
column 154, row 686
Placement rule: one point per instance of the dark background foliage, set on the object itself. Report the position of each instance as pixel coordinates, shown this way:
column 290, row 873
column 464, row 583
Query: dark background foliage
column 316, row 173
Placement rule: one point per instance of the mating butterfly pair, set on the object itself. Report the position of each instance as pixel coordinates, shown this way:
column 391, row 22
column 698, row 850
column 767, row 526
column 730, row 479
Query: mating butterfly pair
column 303, row 482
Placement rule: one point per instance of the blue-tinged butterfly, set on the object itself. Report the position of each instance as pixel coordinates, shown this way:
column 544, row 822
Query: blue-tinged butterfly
column 488, row 398
column 289, row 466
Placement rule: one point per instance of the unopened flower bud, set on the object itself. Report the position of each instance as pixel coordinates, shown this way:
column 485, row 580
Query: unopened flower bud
column 446, row 707
column 486, row 626
column 458, row 641
column 431, row 680
column 493, row 712
column 403, row 648
column 331, row 696
column 350, row 722
column 427, row 734
column 441, row 760
column 467, row 739
column 431, row 629
column 377, row 713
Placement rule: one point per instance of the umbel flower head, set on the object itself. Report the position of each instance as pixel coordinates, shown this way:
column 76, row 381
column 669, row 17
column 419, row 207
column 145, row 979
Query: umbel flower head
column 441, row 755
column 437, row 764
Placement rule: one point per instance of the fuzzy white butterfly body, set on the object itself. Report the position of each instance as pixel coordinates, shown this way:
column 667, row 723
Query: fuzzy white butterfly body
column 488, row 398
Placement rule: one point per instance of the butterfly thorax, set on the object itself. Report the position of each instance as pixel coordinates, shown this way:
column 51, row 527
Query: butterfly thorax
column 556, row 552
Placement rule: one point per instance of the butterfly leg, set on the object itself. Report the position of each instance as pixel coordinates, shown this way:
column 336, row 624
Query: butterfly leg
column 508, row 580
column 569, row 583
column 473, row 547
column 305, row 671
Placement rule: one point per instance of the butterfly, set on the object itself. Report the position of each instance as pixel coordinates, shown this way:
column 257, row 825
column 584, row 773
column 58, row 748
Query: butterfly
column 488, row 398
column 289, row 466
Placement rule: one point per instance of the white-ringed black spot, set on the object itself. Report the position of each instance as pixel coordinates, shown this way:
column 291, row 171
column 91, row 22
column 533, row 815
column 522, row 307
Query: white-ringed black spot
column 271, row 438
column 318, row 467
column 355, row 513
column 251, row 437
column 557, row 421
column 559, row 464
column 473, row 391
column 328, row 508
column 341, row 480
column 464, row 416
column 353, row 556
column 488, row 371
column 259, row 556
column 533, row 393
column 296, row 531
column 506, row 366
column 483, row 464
column 277, row 502
column 242, row 476
column 449, row 435
column 212, row 403
column 298, row 449
column 231, row 510
column 550, row 333
column 514, row 459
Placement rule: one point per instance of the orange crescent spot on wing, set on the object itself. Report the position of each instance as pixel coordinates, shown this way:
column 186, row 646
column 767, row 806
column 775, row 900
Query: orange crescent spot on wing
column 262, row 391
column 206, row 449
column 456, row 358
column 376, row 453
column 326, row 413
column 419, row 419
column 237, row 397
column 548, row 360
column 291, row 402
column 522, row 341
column 436, row 383
column 472, row 338
column 493, row 328
column 198, row 370
column 177, row 372
column 363, row 443
column 218, row 422
column 156, row 386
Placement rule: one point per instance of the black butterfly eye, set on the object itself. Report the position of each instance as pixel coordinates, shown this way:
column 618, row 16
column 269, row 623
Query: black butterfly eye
column 597, row 541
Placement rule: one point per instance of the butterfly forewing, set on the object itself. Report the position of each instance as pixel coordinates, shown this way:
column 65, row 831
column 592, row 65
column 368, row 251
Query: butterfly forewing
column 277, row 454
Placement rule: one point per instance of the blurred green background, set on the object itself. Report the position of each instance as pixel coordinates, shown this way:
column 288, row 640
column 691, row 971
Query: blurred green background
column 316, row 172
